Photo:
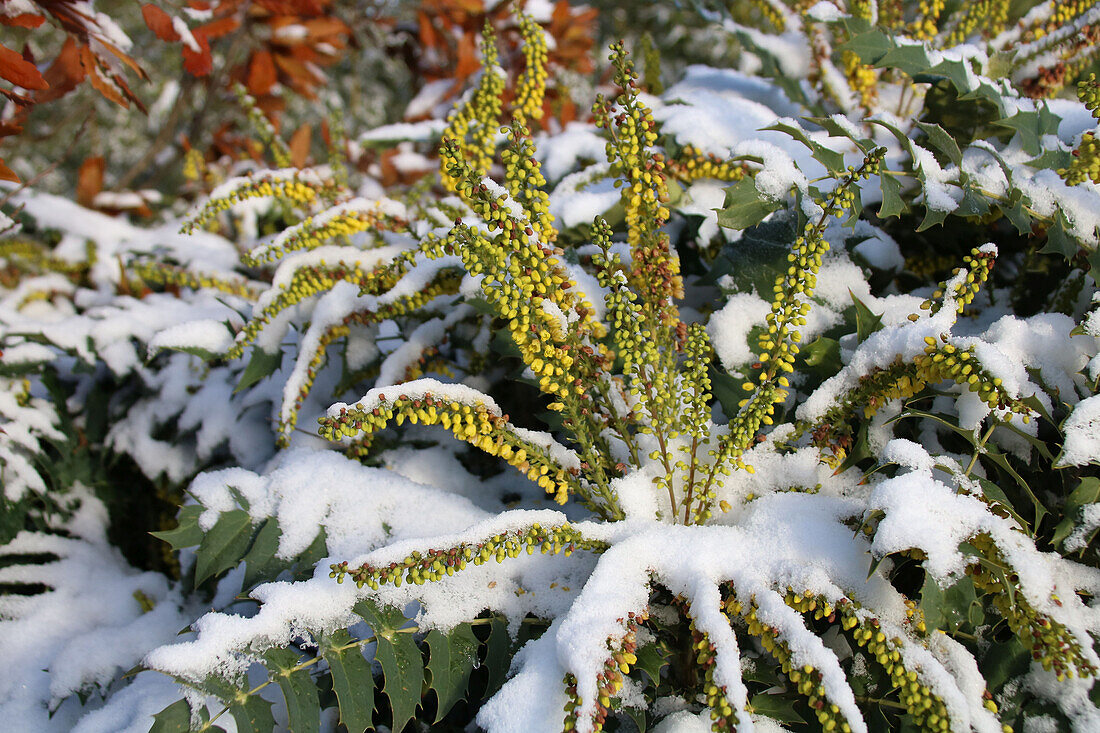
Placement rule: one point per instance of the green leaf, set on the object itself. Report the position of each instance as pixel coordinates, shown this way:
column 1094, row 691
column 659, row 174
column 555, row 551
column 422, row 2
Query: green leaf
column 299, row 690
column 778, row 707
column 973, row 203
column 745, row 206
column 1058, row 242
column 932, row 217
column 867, row 322
column 187, row 532
column 637, row 716
column 943, row 420
column 317, row 551
column 1003, row 661
column 870, row 46
column 910, row 59
column 452, row 661
column 498, row 656
column 892, row 202
column 1087, row 492
column 948, row 608
column 1031, row 126
column 652, row 658
column 836, row 129
column 352, row 680
column 261, row 565
column 727, row 391
column 176, row 718
column 252, row 713
column 1002, row 461
column 224, row 545
column 262, row 364
column 402, row 665
column 831, row 159
column 822, row 355
column 204, row 354
column 1013, row 210
column 994, row 492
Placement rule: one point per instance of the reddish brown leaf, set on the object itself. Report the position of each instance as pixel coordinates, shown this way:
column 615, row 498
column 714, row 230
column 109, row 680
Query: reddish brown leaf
column 467, row 62
column 19, row 71
column 102, row 84
column 6, row 173
column 159, row 22
column 8, row 127
column 218, row 28
column 261, row 73
column 64, row 74
column 320, row 27
column 299, row 145
column 89, row 180
column 23, row 20
column 198, row 63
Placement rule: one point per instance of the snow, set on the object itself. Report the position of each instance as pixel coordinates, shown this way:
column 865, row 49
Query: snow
column 1082, row 431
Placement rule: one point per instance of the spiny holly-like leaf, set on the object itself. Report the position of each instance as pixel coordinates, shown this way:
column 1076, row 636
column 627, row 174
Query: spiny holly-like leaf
column 224, row 545
column 352, row 680
column 1058, row 242
column 867, row 322
column 994, row 493
column 910, row 59
column 497, row 655
column 831, row 159
column 778, row 707
column 869, row 46
column 262, row 364
column 1087, row 492
column 1031, row 126
column 261, row 565
column 187, row 532
column 652, row 658
column 745, row 206
column 892, row 202
column 949, row 608
column 402, row 665
column 932, row 217
column 973, row 203
column 299, row 690
column 252, row 713
column 942, row 141
column 1001, row 460
column 452, row 661
column 835, row 128
column 637, row 716
column 176, row 718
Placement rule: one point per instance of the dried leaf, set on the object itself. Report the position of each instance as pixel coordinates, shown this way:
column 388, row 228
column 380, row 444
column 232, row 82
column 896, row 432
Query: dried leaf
column 90, row 179
column 64, row 74
column 159, row 22
column 261, row 73
column 299, row 145
column 6, row 173
column 22, row 20
column 218, row 28
column 19, row 71
column 198, row 63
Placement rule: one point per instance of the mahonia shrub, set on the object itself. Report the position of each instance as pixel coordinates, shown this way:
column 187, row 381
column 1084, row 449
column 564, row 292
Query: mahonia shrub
column 799, row 371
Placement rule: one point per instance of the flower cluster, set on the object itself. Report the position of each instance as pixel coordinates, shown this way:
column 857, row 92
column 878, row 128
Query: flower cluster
column 609, row 681
column 433, row 565
column 692, row 164
column 476, row 424
column 299, row 187
column 473, row 125
column 161, row 274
